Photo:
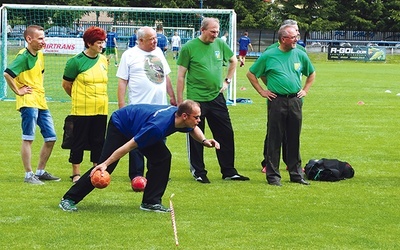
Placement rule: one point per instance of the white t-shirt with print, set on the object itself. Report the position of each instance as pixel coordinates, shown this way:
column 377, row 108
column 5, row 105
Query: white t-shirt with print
column 146, row 74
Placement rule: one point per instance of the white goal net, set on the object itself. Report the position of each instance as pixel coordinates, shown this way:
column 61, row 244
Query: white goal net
column 63, row 39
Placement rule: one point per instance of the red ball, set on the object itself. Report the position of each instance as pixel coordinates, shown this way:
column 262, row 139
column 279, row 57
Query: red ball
column 100, row 180
column 139, row 183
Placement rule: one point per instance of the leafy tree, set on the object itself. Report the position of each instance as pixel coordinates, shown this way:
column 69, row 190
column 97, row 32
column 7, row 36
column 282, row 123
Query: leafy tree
column 311, row 15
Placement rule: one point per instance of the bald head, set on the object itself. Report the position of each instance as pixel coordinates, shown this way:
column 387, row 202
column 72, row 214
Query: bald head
column 147, row 39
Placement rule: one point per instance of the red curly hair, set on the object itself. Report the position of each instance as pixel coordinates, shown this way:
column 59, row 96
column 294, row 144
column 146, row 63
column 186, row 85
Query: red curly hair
column 94, row 34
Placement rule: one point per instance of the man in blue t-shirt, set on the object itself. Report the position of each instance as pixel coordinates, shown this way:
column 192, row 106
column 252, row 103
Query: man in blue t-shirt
column 162, row 41
column 244, row 42
column 112, row 46
column 142, row 126
column 132, row 40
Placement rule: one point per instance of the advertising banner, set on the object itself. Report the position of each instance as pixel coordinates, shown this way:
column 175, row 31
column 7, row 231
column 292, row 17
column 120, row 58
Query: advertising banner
column 362, row 53
column 63, row 45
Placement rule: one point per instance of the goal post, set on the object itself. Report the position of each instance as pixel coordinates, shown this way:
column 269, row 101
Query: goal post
column 63, row 40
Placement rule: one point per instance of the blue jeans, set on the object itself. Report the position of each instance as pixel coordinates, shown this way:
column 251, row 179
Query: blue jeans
column 34, row 116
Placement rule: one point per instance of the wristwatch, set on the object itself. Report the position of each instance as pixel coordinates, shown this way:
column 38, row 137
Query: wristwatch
column 228, row 80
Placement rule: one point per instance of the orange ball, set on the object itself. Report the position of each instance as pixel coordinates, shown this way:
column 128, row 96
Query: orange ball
column 100, row 180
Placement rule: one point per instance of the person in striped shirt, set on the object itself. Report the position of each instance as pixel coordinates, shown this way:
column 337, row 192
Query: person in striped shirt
column 85, row 81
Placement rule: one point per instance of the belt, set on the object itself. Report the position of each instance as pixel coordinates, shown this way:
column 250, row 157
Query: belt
column 287, row 95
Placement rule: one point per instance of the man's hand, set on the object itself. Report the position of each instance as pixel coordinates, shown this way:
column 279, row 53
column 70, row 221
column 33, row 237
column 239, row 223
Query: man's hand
column 102, row 167
column 211, row 143
column 225, row 86
column 24, row 90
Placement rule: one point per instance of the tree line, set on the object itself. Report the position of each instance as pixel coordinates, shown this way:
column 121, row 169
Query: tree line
column 312, row 15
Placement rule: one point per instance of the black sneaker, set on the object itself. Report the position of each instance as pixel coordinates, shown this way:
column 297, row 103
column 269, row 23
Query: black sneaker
column 46, row 176
column 202, row 179
column 236, row 177
column 154, row 208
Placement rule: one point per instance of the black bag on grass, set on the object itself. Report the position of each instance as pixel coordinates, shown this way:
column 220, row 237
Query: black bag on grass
column 328, row 170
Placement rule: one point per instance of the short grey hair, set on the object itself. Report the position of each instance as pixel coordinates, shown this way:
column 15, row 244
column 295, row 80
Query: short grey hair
column 289, row 22
column 142, row 32
column 283, row 30
column 207, row 20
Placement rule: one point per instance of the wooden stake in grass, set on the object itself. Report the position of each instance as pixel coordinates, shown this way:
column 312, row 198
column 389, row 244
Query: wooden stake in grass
column 173, row 219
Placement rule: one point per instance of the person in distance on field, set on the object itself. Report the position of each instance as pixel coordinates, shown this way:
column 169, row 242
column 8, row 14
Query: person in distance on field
column 112, row 45
column 244, row 44
column 176, row 44
column 24, row 76
column 162, row 40
column 143, row 126
column 132, row 42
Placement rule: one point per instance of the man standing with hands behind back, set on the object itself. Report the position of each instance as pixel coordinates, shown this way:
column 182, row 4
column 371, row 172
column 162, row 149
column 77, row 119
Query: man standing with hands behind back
column 283, row 66
column 201, row 59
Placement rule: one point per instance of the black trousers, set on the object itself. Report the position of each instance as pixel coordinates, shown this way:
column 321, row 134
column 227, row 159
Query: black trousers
column 217, row 115
column 159, row 164
column 89, row 132
column 284, row 125
column 136, row 164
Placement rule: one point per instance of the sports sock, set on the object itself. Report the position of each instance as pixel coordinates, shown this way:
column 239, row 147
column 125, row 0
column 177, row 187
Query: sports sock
column 40, row 172
column 28, row 174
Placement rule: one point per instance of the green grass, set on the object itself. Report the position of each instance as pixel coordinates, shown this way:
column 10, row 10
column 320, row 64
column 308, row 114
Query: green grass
column 360, row 213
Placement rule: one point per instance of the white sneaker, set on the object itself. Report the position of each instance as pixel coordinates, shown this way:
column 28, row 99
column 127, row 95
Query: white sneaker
column 33, row 180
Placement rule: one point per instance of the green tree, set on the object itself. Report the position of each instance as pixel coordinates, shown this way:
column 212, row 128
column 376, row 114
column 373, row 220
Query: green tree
column 311, row 15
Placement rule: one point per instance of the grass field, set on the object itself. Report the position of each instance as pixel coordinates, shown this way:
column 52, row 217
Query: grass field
column 359, row 213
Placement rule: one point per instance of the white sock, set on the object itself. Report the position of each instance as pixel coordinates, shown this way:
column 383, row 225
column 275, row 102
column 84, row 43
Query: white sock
column 40, row 172
column 28, row 174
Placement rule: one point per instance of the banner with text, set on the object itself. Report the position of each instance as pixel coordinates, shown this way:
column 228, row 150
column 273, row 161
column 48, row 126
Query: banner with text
column 63, row 45
column 362, row 53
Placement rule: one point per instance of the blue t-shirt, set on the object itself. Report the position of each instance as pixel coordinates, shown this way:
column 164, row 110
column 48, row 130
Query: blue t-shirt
column 132, row 41
column 244, row 42
column 162, row 41
column 110, row 39
column 147, row 123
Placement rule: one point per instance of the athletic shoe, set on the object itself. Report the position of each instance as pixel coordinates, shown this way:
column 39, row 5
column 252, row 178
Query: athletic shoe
column 154, row 208
column 48, row 177
column 241, row 64
column 68, row 205
column 264, row 170
column 275, row 183
column 33, row 180
column 236, row 177
column 202, row 179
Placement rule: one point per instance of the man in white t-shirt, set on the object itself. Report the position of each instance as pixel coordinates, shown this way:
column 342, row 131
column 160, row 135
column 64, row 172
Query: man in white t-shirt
column 143, row 74
column 225, row 37
column 176, row 44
